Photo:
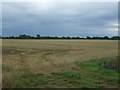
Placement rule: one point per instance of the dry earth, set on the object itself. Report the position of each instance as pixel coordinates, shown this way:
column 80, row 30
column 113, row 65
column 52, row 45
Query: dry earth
column 44, row 56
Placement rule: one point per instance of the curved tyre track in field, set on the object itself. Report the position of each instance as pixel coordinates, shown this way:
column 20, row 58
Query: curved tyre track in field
column 50, row 55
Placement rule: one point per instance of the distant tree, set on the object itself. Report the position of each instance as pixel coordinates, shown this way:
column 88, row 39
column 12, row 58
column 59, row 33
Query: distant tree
column 38, row 36
column 49, row 37
column 88, row 37
column 56, row 37
column 73, row 37
column 106, row 37
column 77, row 37
column 68, row 37
column 24, row 36
column 115, row 37
column 12, row 37
column 96, row 37
column 63, row 37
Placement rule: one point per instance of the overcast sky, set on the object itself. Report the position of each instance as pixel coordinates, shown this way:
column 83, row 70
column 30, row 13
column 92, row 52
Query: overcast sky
column 60, row 18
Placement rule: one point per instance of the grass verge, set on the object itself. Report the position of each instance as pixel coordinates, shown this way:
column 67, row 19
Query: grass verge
column 89, row 74
column 104, row 71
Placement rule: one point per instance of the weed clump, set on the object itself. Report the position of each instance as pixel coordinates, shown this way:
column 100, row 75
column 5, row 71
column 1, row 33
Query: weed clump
column 112, row 64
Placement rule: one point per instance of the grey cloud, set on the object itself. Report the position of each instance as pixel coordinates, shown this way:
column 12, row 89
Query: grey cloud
column 58, row 19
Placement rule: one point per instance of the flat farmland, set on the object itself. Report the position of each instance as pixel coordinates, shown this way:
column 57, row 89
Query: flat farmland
column 48, row 57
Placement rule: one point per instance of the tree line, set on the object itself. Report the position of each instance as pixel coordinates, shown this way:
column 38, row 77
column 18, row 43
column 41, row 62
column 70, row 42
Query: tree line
column 24, row 36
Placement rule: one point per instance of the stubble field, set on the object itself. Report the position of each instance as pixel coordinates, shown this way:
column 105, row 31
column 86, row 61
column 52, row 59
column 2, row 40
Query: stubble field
column 24, row 61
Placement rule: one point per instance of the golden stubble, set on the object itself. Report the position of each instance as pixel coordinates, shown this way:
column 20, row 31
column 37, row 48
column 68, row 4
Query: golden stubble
column 46, row 56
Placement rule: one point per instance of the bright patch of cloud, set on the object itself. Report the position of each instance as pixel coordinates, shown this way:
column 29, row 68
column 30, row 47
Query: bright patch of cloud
column 116, row 25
